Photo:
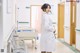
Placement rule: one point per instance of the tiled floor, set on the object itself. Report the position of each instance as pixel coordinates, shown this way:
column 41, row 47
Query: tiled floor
column 60, row 48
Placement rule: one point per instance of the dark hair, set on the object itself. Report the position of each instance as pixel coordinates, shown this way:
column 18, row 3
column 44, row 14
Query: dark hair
column 44, row 6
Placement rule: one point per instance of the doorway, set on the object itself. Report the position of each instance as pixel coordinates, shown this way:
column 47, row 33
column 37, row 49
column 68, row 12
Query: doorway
column 61, row 20
column 36, row 14
column 73, row 24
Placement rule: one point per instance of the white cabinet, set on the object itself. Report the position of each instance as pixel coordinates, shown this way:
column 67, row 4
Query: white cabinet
column 67, row 23
column 78, row 27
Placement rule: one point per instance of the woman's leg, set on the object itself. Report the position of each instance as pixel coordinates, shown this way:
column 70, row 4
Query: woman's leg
column 43, row 51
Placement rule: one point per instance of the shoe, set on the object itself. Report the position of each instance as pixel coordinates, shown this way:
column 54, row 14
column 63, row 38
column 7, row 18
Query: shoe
column 48, row 52
column 43, row 52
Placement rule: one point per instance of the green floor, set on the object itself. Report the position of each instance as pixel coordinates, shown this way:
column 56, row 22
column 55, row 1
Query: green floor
column 71, row 47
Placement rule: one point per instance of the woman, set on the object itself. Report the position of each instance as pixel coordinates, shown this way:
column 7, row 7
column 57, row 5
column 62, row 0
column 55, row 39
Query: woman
column 47, row 30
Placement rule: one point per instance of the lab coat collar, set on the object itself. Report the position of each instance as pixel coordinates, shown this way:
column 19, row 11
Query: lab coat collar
column 46, row 13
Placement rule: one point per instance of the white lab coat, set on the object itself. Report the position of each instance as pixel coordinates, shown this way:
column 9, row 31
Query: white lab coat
column 47, row 42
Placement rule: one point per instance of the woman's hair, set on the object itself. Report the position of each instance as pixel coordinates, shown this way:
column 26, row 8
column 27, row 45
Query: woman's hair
column 45, row 6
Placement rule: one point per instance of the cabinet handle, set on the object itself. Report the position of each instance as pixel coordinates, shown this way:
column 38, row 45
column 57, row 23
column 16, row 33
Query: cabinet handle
column 66, row 27
column 78, row 30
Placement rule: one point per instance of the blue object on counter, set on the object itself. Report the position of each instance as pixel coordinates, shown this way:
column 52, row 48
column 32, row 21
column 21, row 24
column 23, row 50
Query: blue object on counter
column 37, row 38
column 18, row 30
column 26, row 30
column 78, row 29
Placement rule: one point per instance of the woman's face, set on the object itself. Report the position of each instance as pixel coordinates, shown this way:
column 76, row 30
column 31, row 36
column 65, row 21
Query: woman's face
column 48, row 9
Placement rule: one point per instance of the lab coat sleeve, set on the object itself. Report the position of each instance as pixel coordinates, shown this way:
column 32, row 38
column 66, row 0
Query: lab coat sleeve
column 50, row 27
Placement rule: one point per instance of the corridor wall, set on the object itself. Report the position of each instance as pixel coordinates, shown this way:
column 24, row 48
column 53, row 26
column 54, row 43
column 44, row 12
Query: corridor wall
column 8, row 17
column 8, row 20
column 67, row 23
column 24, row 14
column 78, row 26
column 1, row 26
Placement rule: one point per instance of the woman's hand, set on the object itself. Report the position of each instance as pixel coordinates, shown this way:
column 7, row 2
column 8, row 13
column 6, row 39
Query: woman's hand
column 54, row 31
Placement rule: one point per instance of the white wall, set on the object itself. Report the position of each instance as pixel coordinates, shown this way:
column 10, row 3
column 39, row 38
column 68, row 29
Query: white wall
column 78, row 16
column 33, row 16
column 78, row 26
column 23, row 14
column 67, row 23
column 1, row 26
column 8, row 19
column 40, row 2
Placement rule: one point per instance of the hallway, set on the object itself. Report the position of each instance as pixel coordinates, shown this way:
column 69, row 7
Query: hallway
column 60, row 47
column 21, row 25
